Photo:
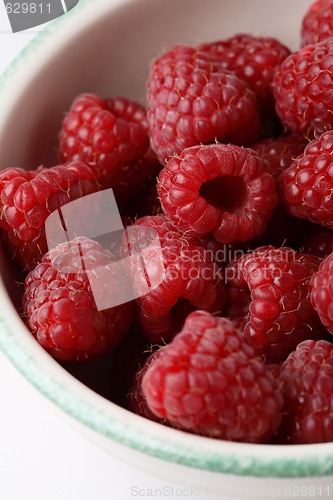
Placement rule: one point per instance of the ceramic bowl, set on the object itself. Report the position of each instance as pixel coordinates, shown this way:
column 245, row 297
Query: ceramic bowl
column 106, row 46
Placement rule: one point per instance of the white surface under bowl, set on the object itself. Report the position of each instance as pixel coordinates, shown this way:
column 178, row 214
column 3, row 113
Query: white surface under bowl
column 106, row 47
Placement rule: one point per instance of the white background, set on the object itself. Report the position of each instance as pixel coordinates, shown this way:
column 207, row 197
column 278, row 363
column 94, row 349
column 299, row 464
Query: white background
column 41, row 457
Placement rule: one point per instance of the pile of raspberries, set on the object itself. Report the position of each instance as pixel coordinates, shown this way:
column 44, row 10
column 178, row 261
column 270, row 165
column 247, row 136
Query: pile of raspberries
column 230, row 165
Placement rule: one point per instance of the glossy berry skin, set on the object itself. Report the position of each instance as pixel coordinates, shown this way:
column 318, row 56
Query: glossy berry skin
column 189, row 279
column 307, row 385
column 302, row 89
column 251, row 58
column 280, row 314
column 321, row 288
column 306, row 186
column 111, row 135
column 317, row 24
column 28, row 198
column 60, row 309
column 192, row 100
column 278, row 154
column 220, row 190
column 208, row 381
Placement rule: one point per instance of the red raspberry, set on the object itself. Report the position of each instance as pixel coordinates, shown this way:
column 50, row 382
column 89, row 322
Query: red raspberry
column 190, row 281
column 280, row 313
column 317, row 240
column 251, row 58
column 321, row 289
column 191, row 100
column 317, row 24
column 307, row 385
column 112, row 136
column 60, row 308
column 278, row 154
column 218, row 189
column 208, row 381
column 306, row 186
column 28, row 198
column 302, row 89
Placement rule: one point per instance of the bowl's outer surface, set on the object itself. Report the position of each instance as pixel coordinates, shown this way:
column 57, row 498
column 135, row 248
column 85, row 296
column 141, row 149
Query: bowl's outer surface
column 106, row 47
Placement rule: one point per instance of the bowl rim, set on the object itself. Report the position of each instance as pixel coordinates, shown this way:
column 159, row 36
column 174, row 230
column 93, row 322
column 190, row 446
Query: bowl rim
column 83, row 404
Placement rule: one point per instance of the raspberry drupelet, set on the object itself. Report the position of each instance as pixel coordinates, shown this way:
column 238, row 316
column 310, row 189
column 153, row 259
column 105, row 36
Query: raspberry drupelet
column 275, row 284
column 189, row 281
column 192, row 100
column 208, row 381
column 220, row 190
column 60, row 308
column 307, row 384
column 28, row 198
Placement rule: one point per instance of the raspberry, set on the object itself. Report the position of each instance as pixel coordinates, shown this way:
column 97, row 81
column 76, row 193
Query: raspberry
column 27, row 199
column 321, row 290
column 278, row 154
column 112, row 136
column 190, row 281
column 60, row 308
column 306, row 186
column 280, row 313
column 317, row 24
column 317, row 240
column 307, row 382
column 209, row 382
column 251, row 58
column 302, row 89
column 218, row 189
column 191, row 100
